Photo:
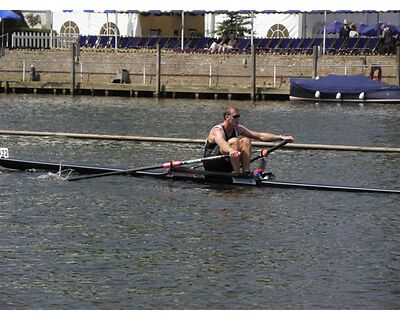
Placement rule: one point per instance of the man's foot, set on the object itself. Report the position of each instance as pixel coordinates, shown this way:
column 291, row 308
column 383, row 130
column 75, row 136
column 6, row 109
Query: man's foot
column 263, row 175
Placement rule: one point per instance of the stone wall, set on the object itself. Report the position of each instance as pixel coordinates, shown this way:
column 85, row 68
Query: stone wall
column 183, row 69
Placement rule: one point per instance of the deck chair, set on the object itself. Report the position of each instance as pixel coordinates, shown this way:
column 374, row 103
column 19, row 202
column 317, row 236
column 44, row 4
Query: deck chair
column 202, row 44
column 243, row 44
column 304, row 46
column 172, row 44
column 91, row 41
column 133, row 42
column 360, row 46
column 349, row 45
column 142, row 43
column 283, row 45
column 272, row 44
column 82, row 41
column 123, row 42
column 295, row 44
column 152, row 43
column 372, row 46
column 163, row 41
column 337, row 46
column 102, row 42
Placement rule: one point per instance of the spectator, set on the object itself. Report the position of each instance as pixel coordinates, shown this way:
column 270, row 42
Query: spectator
column 345, row 31
column 217, row 46
column 232, row 44
column 387, row 40
column 33, row 75
column 353, row 31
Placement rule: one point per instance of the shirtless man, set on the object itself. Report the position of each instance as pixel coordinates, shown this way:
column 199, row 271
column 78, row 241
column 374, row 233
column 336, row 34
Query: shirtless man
column 232, row 138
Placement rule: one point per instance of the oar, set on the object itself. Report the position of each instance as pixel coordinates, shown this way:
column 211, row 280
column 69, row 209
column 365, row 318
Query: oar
column 264, row 152
column 166, row 165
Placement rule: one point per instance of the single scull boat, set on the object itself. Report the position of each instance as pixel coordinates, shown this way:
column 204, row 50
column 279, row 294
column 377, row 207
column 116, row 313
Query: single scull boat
column 182, row 173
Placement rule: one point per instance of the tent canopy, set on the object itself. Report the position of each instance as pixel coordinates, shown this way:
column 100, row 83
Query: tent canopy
column 8, row 14
column 368, row 30
column 208, row 5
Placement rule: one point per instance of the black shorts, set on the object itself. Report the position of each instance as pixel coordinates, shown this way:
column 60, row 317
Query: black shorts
column 221, row 165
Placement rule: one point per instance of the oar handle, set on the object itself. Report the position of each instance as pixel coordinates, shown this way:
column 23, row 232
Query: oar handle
column 273, row 148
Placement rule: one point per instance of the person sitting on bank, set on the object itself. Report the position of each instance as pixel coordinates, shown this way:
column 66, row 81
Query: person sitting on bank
column 233, row 139
column 216, row 46
column 231, row 44
column 353, row 31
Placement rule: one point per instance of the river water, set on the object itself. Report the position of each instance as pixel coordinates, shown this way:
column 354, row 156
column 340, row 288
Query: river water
column 140, row 243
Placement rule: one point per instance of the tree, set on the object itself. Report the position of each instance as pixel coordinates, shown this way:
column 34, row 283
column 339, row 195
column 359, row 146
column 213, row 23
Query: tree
column 33, row 19
column 236, row 23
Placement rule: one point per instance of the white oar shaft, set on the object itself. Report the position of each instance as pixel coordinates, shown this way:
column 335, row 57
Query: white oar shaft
column 166, row 165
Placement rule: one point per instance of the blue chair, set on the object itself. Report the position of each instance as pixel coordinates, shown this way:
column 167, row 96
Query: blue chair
column 102, row 42
column 123, row 42
column 305, row 45
column 242, row 45
column 172, row 44
column 133, row 43
column 91, row 41
column 82, row 41
column 163, row 41
column 272, row 44
column 142, row 43
column 372, row 45
column 263, row 44
column 350, row 45
column 360, row 46
column 294, row 45
column 202, row 44
column 337, row 46
column 283, row 45
column 152, row 43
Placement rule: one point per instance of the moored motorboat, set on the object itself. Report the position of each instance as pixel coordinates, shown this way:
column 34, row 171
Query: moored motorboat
column 353, row 88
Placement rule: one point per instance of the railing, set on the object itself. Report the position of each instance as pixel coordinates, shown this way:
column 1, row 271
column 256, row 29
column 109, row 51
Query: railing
column 30, row 40
column 211, row 75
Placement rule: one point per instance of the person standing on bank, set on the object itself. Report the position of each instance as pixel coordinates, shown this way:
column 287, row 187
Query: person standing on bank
column 232, row 138
column 345, row 30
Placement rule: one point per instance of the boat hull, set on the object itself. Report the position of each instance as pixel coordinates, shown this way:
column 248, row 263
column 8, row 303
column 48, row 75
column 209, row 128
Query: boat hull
column 335, row 88
column 186, row 174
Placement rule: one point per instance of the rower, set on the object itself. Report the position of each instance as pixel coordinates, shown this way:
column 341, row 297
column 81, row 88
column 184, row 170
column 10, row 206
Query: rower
column 230, row 137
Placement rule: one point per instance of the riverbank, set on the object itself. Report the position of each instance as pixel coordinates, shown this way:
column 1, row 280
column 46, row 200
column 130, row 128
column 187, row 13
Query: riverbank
column 175, row 75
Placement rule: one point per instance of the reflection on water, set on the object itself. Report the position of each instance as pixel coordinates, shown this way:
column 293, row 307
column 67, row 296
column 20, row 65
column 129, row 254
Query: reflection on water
column 140, row 243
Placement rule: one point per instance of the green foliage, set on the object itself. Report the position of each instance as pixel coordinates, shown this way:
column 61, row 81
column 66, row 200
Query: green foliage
column 239, row 24
column 33, row 30
column 33, row 20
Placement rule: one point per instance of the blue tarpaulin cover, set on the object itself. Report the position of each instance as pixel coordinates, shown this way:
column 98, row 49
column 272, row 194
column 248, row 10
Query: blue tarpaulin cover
column 343, row 84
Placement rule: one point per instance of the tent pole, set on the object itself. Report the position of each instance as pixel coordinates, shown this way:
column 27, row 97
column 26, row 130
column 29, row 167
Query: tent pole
column 252, row 28
column 183, row 30
column 324, row 40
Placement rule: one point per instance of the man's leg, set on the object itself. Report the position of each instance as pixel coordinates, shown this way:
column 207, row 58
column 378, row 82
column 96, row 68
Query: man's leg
column 245, row 153
column 234, row 143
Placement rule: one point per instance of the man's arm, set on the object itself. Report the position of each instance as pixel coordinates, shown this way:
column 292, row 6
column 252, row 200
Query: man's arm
column 263, row 136
column 219, row 138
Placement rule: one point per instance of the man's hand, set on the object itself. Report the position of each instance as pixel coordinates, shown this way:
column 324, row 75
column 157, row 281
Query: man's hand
column 290, row 138
column 234, row 154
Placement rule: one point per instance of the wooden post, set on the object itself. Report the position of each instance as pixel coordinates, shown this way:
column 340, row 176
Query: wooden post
column 398, row 64
column 158, row 72
column 315, row 62
column 72, row 90
column 253, row 73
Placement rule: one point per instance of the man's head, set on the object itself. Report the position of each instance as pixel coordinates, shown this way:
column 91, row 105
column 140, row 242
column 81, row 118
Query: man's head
column 231, row 112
